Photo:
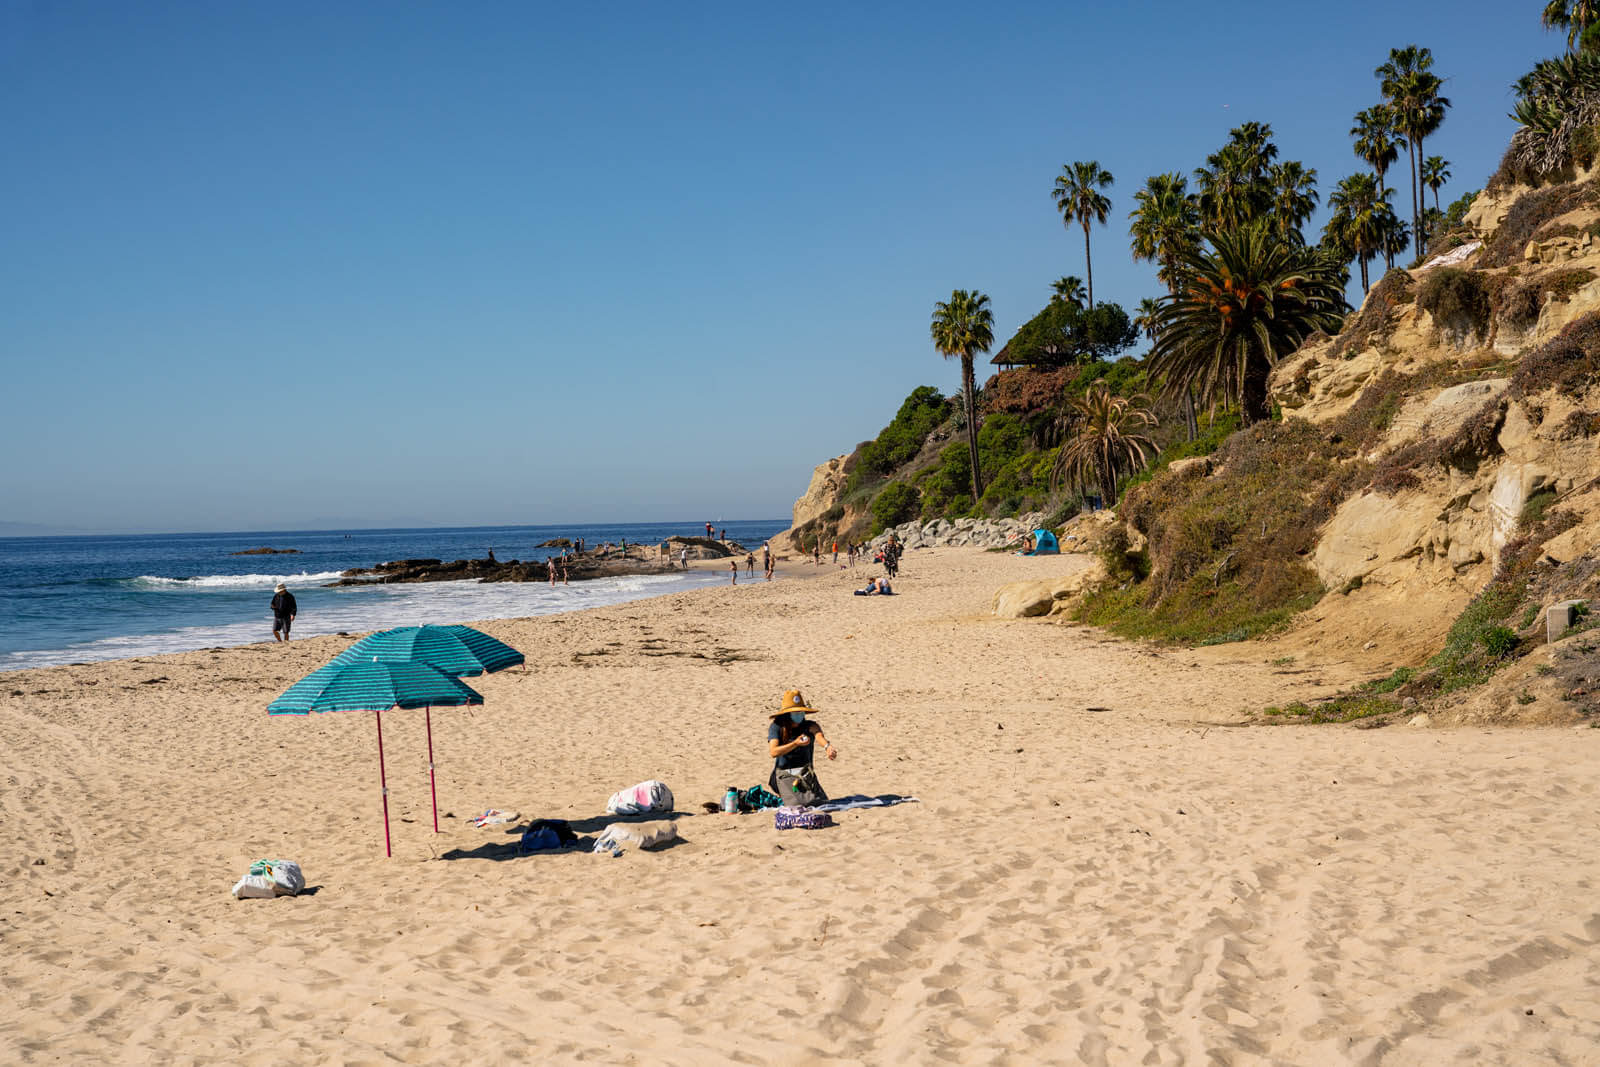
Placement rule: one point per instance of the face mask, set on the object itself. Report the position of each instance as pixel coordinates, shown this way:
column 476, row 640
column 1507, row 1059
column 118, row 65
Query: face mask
column 797, row 716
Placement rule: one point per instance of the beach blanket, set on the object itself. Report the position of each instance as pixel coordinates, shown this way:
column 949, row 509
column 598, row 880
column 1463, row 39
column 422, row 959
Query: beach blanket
column 636, row 800
column 860, row 800
column 494, row 817
column 620, row 836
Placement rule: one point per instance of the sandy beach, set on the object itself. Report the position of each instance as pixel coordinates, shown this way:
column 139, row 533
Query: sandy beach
column 1103, row 867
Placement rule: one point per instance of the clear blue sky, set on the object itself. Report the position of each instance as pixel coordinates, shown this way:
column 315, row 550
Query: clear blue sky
column 279, row 265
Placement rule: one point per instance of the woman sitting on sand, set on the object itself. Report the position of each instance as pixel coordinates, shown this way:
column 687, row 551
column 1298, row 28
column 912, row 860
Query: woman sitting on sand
column 790, row 743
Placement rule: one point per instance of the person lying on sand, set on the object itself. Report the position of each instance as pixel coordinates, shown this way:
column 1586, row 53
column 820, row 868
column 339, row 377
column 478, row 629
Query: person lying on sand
column 876, row 587
column 791, row 740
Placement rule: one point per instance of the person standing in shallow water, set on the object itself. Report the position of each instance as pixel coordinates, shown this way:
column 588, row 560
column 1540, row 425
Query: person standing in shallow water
column 733, row 565
column 283, row 612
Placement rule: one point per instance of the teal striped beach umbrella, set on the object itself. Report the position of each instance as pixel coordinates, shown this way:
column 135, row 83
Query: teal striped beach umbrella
column 454, row 650
column 376, row 687
column 458, row 651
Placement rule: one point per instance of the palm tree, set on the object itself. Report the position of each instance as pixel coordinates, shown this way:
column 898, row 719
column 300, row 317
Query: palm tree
column 1254, row 141
column 1069, row 289
column 1078, row 197
column 1376, row 143
column 1246, row 302
column 1106, row 440
column 1294, row 198
column 1412, row 91
column 963, row 327
column 1229, row 193
column 1164, row 221
column 1435, row 172
column 1396, row 234
column 1358, row 203
column 1574, row 16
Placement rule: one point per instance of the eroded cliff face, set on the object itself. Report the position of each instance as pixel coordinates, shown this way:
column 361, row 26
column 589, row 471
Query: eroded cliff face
column 1461, row 459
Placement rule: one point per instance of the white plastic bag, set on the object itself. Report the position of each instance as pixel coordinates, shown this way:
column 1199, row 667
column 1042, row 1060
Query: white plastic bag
column 623, row 835
column 270, row 878
column 644, row 797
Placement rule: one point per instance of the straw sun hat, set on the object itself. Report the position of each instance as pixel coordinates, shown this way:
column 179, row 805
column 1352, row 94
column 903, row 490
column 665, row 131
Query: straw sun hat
column 281, row 588
column 792, row 701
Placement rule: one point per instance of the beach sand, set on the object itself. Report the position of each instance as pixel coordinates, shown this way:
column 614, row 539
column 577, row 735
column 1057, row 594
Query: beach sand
column 1101, row 868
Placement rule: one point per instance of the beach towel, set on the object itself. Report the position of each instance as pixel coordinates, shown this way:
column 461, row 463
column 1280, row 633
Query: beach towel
column 620, row 836
column 494, row 817
column 270, row 878
column 644, row 797
column 860, row 800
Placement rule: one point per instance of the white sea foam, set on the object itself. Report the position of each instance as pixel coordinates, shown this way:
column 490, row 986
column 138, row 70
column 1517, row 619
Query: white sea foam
column 231, row 581
column 356, row 609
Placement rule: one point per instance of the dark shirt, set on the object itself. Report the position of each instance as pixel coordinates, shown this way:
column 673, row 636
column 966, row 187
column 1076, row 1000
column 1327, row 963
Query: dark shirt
column 283, row 605
column 783, row 733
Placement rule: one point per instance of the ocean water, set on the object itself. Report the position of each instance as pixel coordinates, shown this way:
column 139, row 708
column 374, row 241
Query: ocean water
column 81, row 599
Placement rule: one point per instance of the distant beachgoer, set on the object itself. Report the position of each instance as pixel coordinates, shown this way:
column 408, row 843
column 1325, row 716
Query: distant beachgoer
column 836, row 552
column 624, row 546
column 733, row 565
column 491, row 556
column 750, row 565
column 724, row 536
column 816, row 553
column 551, row 565
column 708, row 531
column 283, row 612
column 790, row 744
column 564, row 574
column 683, row 557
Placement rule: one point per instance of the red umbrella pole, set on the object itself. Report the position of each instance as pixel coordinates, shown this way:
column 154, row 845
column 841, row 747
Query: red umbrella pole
column 433, row 785
column 383, row 777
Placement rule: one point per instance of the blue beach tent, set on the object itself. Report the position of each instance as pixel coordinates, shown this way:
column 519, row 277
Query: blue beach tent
column 1044, row 544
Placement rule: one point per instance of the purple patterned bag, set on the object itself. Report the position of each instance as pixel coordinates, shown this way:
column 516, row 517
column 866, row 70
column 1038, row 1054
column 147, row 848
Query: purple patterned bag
column 801, row 819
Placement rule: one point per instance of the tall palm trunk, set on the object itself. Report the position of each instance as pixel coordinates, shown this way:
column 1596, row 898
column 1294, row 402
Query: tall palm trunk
column 1088, row 267
column 969, row 394
column 1363, row 261
column 1190, row 423
column 1416, row 213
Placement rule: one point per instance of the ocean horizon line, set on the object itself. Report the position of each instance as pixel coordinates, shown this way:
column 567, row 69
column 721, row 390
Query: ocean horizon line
column 67, row 532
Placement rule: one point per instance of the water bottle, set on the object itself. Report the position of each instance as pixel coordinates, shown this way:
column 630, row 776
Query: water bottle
column 730, row 801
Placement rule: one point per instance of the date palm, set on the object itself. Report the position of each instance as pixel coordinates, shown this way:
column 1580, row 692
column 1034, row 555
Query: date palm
column 1069, row 289
column 1164, row 221
column 1107, row 440
column 1079, row 199
column 962, row 327
column 1245, row 302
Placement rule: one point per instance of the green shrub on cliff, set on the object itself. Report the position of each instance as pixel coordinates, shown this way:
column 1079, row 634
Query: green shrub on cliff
column 903, row 438
column 897, row 503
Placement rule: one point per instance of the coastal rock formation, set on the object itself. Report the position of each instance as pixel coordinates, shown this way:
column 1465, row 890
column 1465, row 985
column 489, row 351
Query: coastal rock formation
column 943, row 533
column 1047, row 596
column 824, row 492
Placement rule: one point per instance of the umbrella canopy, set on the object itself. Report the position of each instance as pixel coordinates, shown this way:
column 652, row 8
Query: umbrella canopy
column 368, row 686
column 454, row 650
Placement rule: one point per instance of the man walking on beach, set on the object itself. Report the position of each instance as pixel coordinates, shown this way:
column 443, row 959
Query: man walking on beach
column 283, row 612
